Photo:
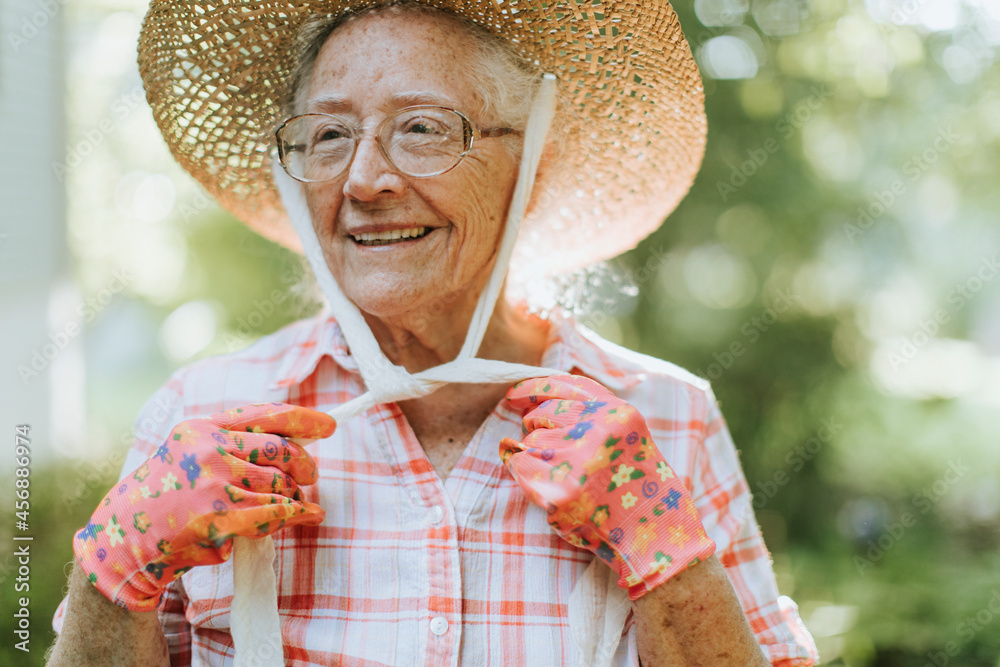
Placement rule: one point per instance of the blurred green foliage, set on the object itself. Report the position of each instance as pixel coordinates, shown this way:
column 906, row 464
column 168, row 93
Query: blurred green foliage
column 62, row 499
column 886, row 533
column 877, row 491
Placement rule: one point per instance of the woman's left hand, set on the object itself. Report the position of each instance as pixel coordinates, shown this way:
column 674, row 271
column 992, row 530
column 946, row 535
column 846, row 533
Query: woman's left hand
column 587, row 458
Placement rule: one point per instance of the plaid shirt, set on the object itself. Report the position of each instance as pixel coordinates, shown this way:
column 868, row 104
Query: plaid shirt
column 407, row 570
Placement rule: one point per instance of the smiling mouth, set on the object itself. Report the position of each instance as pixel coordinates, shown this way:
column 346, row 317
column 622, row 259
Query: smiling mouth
column 391, row 236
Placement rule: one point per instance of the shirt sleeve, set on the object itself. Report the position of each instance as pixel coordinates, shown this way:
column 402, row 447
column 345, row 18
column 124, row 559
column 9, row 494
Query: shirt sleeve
column 164, row 410
column 723, row 500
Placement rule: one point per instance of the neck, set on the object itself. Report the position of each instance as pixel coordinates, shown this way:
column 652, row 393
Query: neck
column 418, row 341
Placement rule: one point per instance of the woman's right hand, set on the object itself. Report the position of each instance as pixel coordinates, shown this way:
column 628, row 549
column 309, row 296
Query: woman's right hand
column 234, row 473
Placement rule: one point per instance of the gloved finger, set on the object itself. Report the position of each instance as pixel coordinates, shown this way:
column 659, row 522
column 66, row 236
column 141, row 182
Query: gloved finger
column 260, row 514
column 543, row 442
column 267, row 449
column 572, row 416
column 199, row 442
column 291, row 421
column 544, row 484
column 529, row 394
column 253, row 515
column 551, row 402
column 575, row 418
column 564, row 415
column 509, row 447
column 258, row 479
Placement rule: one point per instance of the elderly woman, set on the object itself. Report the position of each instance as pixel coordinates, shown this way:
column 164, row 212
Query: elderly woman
column 457, row 518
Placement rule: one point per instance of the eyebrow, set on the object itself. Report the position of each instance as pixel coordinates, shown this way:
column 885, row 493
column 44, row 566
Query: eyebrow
column 327, row 103
column 412, row 97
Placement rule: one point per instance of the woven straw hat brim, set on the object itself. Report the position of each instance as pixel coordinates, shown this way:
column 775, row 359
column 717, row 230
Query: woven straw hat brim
column 217, row 73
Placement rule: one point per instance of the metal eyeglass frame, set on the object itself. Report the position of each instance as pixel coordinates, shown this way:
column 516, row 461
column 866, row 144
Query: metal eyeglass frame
column 469, row 135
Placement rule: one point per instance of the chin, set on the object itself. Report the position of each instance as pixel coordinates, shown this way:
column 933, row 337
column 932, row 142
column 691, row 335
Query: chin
column 386, row 296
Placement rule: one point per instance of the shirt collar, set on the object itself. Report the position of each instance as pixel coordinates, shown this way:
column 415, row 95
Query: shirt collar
column 571, row 348
column 318, row 338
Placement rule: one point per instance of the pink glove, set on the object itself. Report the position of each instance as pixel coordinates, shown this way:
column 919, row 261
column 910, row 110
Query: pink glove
column 230, row 474
column 587, row 458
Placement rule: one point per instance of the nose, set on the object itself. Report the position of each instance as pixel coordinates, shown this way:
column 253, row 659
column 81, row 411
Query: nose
column 371, row 175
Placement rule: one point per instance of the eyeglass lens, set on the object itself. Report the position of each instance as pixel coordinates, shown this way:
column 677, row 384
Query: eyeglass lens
column 418, row 142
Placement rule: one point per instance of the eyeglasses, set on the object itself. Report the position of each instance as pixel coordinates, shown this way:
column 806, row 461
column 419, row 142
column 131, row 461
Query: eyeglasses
column 419, row 141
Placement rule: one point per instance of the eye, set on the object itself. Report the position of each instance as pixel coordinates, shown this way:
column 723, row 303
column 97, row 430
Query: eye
column 424, row 125
column 330, row 133
column 327, row 135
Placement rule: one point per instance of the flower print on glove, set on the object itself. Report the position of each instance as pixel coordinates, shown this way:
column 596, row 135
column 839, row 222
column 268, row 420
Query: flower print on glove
column 234, row 473
column 587, row 458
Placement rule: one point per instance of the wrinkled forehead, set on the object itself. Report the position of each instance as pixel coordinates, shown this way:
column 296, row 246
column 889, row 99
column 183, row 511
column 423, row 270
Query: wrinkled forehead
column 381, row 61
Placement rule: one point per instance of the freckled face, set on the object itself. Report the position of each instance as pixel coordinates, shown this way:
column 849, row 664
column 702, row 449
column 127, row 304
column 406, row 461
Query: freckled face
column 367, row 69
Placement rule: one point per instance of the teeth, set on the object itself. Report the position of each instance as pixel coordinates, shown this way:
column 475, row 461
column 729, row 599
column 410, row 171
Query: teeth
column 382, row 238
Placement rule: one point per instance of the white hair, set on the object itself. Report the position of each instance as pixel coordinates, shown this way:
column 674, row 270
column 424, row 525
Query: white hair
column 502, row 79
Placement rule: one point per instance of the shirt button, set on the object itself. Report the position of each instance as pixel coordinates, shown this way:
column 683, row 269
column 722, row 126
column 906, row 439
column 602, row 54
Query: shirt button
column 435, row 516
column 439, row 625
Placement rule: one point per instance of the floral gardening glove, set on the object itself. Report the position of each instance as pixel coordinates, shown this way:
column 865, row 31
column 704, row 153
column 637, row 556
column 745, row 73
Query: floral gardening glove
column 213, row 479
column 587, row 458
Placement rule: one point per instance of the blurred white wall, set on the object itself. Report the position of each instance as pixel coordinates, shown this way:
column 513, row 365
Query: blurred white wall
column 42, row 345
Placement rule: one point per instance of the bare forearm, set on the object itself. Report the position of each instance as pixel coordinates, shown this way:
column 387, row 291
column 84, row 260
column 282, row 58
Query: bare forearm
column 695, row 619
column 96, row 632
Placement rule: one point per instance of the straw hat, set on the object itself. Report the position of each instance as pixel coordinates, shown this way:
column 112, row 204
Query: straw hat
column 217, row 72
